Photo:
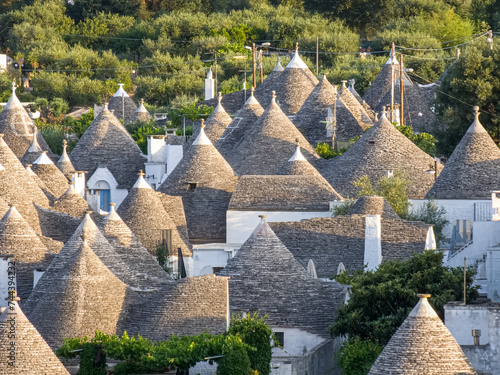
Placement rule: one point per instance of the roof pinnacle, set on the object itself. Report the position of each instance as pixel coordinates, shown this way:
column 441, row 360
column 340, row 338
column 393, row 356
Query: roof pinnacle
column 13, row 87
column 296, row 46
column 202, row 123
column 141, row 173
column 219, row 99
column 105, row 106
column 262, row 218
column 343, row 83
column 274, row 96
column 476, row 112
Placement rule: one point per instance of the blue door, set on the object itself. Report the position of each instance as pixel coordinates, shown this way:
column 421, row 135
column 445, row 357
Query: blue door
column 105, row 199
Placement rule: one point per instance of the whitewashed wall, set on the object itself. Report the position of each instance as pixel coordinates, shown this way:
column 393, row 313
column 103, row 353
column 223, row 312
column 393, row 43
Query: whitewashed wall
column 456, row 209
column 94, row 182
column 297, row 342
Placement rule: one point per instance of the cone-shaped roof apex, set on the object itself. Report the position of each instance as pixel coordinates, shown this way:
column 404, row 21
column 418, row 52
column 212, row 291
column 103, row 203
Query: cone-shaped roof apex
column 476, row 126
column 141, row 183
column 43, row 159
column 296, row 62
column 202, row 139
column 121, row 92
column 34, row 147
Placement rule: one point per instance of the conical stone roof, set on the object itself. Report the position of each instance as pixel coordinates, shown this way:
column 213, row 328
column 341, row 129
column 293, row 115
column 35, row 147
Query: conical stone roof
column 217, row 122
column 417, row 113
column 32, row 354
column 121, row 103
column 107, row 142
column 71, row 203
column 242, row 122
column 15, row 169
column 373, row 205
column 353, row 91
column 144, row 214
column 292, row 87
column 269, row 144
column 141, row 114
column 33, row 152
column 356, row 109
column 263, row 92
column 382, row 84
column 40, row 183
column 78, row 292
column 471, row 172
column 422, row 345
column 298, row 165
column 381, row 149
column 205, row 182
column 64, row 163
column 128, row 247
column 264, row 277
column 310, row 119
column 13, row 194
column 18, row 239
column 17, row 127
column 53, row 178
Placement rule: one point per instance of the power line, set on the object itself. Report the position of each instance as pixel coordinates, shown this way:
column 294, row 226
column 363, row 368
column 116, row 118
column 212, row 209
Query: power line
column 444, row 48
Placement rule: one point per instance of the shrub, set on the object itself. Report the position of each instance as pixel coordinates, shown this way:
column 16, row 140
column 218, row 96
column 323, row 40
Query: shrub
column 357, row 356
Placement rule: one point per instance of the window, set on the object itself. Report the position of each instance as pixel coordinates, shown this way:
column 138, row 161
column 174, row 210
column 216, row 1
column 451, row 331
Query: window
column 279, row 338
column 192, row 186
column 216, row 270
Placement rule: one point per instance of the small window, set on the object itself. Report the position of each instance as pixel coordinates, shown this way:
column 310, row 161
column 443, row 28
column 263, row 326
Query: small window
column 216, row 270
column 192, row 186
column 279, row 338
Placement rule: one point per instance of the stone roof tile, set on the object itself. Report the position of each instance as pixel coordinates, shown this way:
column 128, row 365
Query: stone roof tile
column 471, row 172
column 264, row 277
column 107, row 142
column 422, row 345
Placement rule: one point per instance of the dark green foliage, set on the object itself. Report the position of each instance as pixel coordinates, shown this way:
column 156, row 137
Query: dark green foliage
column 382, row 299
column 425, row 141
column 138, row 355
column 431, row 213
column 140, row 131
column 92, row 360
column 235, row 360
column 357, row 356
column 343, row 208
column 395, row 189
column 162, row 257
column 79, row 127
column 326, row 151
column 254, row 332
column 474, row 79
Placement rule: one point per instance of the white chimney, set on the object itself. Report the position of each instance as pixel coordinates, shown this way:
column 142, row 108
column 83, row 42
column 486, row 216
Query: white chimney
column 373, row 242
column 209, row 86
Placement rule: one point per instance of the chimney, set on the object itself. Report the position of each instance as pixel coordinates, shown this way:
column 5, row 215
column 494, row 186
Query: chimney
column 373, row 242
column 209, row 86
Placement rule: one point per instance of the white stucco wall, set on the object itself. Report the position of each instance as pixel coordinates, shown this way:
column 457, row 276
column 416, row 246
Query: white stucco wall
column 297, row 342
column 461, row 320
column 456, row 209
column 241, row 224
column 104, row 174
column 205, row 258
column 78, row 182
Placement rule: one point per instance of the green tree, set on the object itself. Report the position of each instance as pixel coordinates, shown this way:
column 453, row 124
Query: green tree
column 394, row 189
column 382, row 299
column 473, row 80
column 425, row 141
column 254, row 332
column 357, row 356
column 431, row 213
column 235, row 360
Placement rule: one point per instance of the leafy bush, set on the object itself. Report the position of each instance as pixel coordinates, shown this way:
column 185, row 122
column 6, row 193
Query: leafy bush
column 235, row 360
column 431, row 213
column 357, row 356
column 254, row 332
column 343, row 208
column 394, row 189
column 381, row 300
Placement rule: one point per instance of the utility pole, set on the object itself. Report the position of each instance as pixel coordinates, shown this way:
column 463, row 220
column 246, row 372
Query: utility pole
column 317, row 55
column 401, row 81
column 215, row 54
column 465, row 282
column 393, row 56
column 253, row 63
column 261, row 67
